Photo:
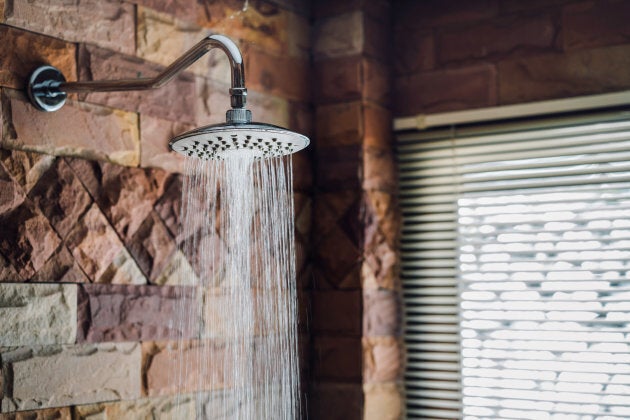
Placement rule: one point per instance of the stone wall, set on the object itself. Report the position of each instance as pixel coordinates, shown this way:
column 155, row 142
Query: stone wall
column 90, row 269
column 457, row 54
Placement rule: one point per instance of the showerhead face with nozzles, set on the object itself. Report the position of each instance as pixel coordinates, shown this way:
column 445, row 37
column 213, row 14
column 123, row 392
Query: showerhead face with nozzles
column 222, row 140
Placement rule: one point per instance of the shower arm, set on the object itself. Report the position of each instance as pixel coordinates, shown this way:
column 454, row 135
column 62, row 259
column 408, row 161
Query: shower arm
column 48, row 89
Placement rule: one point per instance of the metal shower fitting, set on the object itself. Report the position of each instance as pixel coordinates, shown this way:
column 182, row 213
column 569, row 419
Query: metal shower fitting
column 48, row 88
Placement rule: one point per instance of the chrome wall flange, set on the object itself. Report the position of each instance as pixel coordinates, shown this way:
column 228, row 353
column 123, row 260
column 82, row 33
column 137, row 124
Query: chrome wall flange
column 43, row 89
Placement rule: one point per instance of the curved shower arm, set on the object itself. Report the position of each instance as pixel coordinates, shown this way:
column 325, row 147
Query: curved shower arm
column 48, row 90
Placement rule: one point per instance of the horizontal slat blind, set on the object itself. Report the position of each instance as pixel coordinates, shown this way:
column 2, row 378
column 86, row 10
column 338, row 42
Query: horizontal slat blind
column 527, row 226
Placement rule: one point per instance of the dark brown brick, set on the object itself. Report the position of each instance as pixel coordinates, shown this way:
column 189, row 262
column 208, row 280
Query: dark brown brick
column 502, row 37
column 337, row 358
column 334, row 401
column 596, row 23
column 559, row 76
column 432, row 13
column 376, row 86
column 339, row 125
column 110, row 312
column 379, row 9
column 338, row 79
column 512, row 6
column 336, row 311
column 419, row 57
column 172, row 101
column 446, row 90
column 21, row 52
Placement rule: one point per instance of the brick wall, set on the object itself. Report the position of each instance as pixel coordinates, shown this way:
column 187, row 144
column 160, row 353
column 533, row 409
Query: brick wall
column 90, row 269
column 454, row 55
column 356, row 351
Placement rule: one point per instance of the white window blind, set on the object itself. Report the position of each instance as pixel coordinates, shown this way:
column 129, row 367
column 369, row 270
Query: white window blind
column 516, row 269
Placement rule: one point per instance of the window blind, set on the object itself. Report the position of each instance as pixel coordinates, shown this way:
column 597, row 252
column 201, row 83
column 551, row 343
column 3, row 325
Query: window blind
column 516, row 269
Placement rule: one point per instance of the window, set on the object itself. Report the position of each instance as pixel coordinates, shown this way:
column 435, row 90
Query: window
column 516, row 269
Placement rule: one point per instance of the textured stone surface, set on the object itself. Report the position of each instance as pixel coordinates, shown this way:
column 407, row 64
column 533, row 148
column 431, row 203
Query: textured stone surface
column 27, row 239
column 169, row 205
column 11, row 193
column 77, row 129
column 172, row 407
column 99, row 251
column 114, row 373
column 446, row 90
column 171, row 101
column 133, row 313
column 182, row 9
column 108, row 23
column 383, row 402
column 155, row 133
column 337, row 312
column 382, row 359
column 413, row 60
column 26, row 168
column 125, row 195
column 596, row 23
column 559, row 76
column 22, row 51
column 506, row 36
column 338, row 36
column 333, row 401
column 426, row 14
column 37, row 314
column 61, row 413
column 61, row 197
column 178, row 272
column 165, row 363
column 152, row 246
column 61, row 267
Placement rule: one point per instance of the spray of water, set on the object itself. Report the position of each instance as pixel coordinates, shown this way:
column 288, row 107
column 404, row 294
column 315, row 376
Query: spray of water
column 237, row 232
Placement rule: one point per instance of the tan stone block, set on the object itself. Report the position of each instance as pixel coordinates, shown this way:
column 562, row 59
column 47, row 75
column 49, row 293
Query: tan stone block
column 262, row 23
column 383, row 402
column 176, row 407
column 177, row 273
column 37, row 314
column 574, row 73
column 213, row 100
column 77, row 129
column 175, row 367
column 70, row 375
column 109, row 24
column 162, row 39
column 339, row 36
column 60, row 413
column 382, row 359
column 268, row 109
column 155, row 135
column 22, row 51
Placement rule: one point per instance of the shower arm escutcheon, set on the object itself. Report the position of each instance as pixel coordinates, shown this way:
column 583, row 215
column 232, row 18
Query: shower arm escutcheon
column 48, row 88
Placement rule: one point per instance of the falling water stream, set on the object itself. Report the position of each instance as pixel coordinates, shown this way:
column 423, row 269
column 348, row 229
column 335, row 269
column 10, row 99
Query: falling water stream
column 237, row 229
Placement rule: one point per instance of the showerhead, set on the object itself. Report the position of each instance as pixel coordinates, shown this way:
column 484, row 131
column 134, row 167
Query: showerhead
column 221, row 140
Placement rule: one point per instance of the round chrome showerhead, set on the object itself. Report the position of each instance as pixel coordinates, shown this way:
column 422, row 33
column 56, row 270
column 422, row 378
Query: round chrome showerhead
column 220, row 140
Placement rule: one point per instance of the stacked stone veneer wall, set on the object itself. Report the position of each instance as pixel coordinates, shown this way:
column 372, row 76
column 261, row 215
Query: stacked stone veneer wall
column 90, row 271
